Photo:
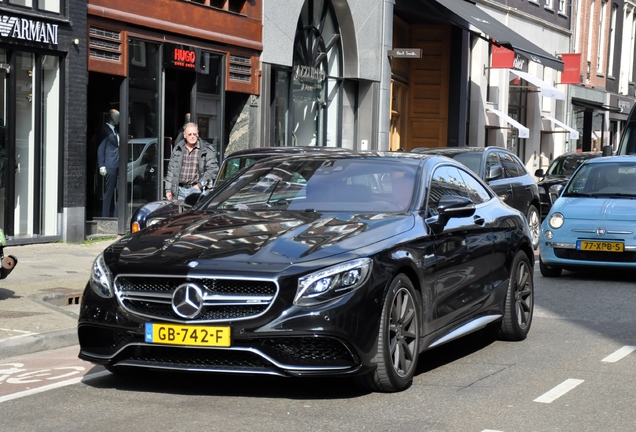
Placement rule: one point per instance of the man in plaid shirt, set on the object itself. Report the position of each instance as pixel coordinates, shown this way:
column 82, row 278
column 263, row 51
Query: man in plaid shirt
column 192, row 165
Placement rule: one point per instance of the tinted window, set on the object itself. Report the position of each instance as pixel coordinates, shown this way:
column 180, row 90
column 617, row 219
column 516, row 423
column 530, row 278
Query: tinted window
column 448, row 180
column 512, row 167
column 471, row 159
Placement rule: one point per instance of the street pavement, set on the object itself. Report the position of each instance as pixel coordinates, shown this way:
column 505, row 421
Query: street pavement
column 39, row 300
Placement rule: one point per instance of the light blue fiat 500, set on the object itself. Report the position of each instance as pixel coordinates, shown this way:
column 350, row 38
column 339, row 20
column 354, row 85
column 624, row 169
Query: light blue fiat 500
column 592, row 224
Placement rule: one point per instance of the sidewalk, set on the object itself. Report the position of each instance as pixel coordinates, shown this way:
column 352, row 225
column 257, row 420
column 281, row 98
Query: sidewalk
column 39, row 300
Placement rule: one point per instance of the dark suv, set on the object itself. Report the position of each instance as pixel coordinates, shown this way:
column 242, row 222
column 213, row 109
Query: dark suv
column 505, row 174
column 558, row 174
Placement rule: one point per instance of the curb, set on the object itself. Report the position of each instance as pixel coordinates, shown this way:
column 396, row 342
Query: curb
column 32, row 343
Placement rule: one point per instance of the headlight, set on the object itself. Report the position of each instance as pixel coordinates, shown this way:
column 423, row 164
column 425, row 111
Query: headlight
column 556, row 220
column 101, row 278
column 541, row 190
column 333, row 282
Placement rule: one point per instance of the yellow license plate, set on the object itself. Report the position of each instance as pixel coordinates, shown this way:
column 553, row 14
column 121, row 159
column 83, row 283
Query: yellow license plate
column 599, row 246
column 189, row 335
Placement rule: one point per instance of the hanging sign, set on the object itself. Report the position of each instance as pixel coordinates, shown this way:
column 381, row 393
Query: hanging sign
column 502, row 58
column 571, row 69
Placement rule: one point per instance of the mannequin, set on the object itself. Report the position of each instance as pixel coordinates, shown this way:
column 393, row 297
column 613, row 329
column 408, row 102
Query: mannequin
column 108, row 160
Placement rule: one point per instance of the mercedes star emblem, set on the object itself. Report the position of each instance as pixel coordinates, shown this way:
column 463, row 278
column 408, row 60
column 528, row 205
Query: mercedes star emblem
column 187, row 300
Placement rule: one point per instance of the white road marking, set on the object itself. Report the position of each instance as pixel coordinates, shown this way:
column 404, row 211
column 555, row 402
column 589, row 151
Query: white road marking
column 491, row 430
column 619, row 354
column 53, row 386
column 559, row 391
column 24, row 334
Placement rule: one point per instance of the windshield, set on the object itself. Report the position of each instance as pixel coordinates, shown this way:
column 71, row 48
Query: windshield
column 603, row 180
column 470, row 159
column 355, row 185
column 564, row 166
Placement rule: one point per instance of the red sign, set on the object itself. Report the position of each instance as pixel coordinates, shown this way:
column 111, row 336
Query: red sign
column 180, row 56
column 571, row 69
column 502, row 58
column 184, row 58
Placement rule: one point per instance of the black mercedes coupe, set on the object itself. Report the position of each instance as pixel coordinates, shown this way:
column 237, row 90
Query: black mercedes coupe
column 345, row 265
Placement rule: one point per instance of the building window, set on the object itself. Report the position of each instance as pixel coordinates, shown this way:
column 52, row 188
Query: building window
column 601, row 39
column 562, row 6
column 612, row 41
column 43, row 5
column 548, row 4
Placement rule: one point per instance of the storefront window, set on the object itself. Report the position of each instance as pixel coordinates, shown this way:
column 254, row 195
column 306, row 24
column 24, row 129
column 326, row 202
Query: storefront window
column 24, row 145
column 50, row 132
column 209, row 112
column 143, row 175
column 317, row 77
column 4, row 159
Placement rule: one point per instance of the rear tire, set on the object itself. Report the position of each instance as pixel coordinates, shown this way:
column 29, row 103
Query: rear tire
column 519, row 304
column 549, row 271
column 398, row 340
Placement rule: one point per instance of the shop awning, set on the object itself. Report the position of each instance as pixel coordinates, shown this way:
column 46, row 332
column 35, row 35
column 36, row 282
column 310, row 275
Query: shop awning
column 523, row 132
column 574, row 134
column 546, row 89
column 466, row 14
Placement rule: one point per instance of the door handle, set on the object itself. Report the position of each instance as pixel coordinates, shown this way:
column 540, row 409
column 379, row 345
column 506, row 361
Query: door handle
column 479, row 220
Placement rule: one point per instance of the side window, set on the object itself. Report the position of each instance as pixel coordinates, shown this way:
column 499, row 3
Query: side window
column 494, row 169
column 474, row 190
column 511, row 166
column 449, row 180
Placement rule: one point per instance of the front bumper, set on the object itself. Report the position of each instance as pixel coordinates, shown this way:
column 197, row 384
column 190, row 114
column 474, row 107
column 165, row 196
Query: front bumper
column 337, row 338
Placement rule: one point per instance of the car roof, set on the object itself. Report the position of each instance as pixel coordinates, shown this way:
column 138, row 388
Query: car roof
column 457, row 150
column 264, row 151
column 388, row 155
column 580, row 155
column 612, row 159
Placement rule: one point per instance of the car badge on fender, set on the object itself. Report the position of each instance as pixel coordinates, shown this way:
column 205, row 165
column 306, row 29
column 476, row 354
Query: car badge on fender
column 187, row 300
column 600, row 231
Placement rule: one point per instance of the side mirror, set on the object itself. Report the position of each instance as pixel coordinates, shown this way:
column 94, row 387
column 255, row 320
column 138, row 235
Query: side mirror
column 539, row 173
column 494, row 172
column 450, row 206
column 607, row 150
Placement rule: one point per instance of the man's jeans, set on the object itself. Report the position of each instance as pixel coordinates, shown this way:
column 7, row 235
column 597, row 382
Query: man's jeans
column 185, row 191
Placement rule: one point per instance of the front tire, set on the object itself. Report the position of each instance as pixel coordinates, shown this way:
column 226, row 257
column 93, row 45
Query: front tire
column 549, row 271
column 519, row 304
column 398, row 341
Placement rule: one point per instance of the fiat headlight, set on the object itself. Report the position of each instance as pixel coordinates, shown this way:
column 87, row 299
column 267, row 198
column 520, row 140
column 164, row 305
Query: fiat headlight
column 101, row 278
column 556, row 220
column 333, row 282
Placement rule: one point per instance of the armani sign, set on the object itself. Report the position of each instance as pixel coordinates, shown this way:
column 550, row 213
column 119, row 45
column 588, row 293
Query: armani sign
column 28, row 29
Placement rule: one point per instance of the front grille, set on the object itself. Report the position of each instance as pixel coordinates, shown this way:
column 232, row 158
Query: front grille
column 223, row 299
column 573, row 254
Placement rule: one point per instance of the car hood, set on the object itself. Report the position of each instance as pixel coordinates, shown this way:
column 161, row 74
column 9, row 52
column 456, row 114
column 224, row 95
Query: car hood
column 245, row 240
column 596, row 208
column 552, row 180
